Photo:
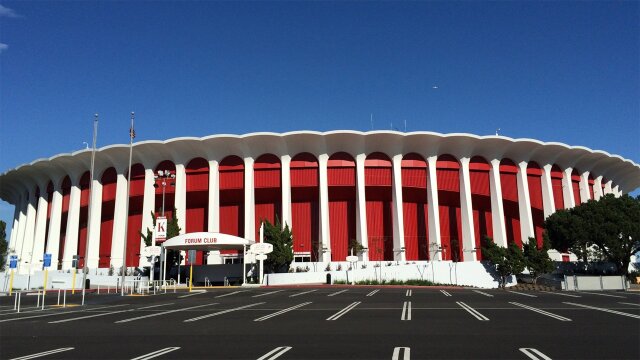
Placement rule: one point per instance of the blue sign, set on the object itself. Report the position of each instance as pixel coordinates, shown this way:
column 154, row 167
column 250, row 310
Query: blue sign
column 13, row 261
column 47, row 260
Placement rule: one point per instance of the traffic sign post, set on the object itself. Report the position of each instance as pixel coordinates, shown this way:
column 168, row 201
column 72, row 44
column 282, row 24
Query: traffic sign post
column 46, row 263
column 13, row 263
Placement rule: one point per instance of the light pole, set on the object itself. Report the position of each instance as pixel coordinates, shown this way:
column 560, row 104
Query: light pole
column 163, row 176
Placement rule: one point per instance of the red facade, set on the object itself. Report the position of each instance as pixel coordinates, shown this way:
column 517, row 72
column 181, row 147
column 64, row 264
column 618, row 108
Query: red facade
column 480, row 201
column 534, row 179
column 448, row 176
column 197, row 206
column 509, row 185
column 109, row 185
column 305, row 216
column 378, row 179
column 415, row 207
column 341, row 178
column 268, row 193
column 231, row 214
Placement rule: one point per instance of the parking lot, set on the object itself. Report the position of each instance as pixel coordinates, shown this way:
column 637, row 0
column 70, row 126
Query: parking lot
column 327, row 322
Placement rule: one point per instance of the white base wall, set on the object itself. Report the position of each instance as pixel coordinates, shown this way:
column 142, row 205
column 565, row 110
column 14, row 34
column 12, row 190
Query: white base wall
column 58, row 280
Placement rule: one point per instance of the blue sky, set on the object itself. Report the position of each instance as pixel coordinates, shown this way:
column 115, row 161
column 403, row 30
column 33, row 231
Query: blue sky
column 553, row 71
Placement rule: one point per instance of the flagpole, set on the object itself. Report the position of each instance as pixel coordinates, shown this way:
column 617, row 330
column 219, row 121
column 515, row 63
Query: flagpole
column 132, row 134
column 86, row 243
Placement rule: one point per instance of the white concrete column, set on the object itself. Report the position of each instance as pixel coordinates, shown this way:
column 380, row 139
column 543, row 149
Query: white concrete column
column 181, row 197
column 547, row 191
column 325, row 234
column 73, row 223
column 213, row 219
column 20, row 225
column 14, row 228
column 94, row 225
column 497, row 208
column 585, row 194
column 285, row 161
column 616, row 191
column 567, row 189
column 39, row 234
column 361, row 206
column 466, row 210
column 120, row 218
column 249, row 203
column 27, row 240
column 398, row 212
column 524, row 203
column 148, row 205
column 434, row 210
column 597, row 188
column 53, row 242
column 607, row 187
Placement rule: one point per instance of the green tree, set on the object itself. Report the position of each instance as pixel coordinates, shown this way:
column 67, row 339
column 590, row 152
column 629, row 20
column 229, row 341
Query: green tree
column 355, row 246
column 173, row 229
column 3, row 244
column 505, row 261
column 608, row 227
column 537, row 259
column 282, row 241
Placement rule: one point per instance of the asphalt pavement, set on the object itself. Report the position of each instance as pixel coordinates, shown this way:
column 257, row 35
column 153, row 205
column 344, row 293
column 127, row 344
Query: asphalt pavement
column 326, row 322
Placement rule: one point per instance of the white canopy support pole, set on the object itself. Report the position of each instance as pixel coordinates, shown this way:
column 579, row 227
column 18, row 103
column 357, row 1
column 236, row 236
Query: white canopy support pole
column 244, row 264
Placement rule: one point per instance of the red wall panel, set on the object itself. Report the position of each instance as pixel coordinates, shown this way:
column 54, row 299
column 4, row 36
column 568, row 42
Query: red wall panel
column 106, row 233
column 304, row 177
column 450, row 225
column 135, row 225
column 509, row 186
column 479, row 183
column 342, row 220
column 482, row 220
column 575, row 186
column 448, row 179
column 558, row 197
column 416, row 230
column 537, row 208
column 512, row 222
column 341, row 176
column 305, row 227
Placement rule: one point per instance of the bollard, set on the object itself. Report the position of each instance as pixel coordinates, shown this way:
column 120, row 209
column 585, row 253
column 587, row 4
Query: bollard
column 19, row 300
column 64, row 298
column 83, row 297
column 58, row 297
column 38, row 301
column 43, row 294
column 15, row 302
column 98, row 289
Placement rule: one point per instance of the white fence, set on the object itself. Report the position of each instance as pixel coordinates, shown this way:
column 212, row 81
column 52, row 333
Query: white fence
column 578, row 283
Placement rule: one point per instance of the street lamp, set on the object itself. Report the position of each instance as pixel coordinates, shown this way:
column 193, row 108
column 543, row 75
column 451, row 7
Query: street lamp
column 163, row 176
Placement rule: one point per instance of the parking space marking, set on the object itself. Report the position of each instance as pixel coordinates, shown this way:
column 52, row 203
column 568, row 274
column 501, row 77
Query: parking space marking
column 408, row 293
column 373, row 292
column 557, row 317
column 156, row 353
column 231, row 293
column 534, row 354
column 446, row 293
column 282, row 311
column 275, row 353
column 472, row 311
column 154, row 306
column 337, row 315
column 521, row 293
column 626, row 303
column 605, row 310
column 406, row 311
column 401, row 353
column 162, row 313
column 197, row 292
column 609, row 295
column 483, row 293
column 89, row 316
column 222, row 312
column 302, row 293
column 339, row 292
column 268, row 293
column 557, row 293
column 61, row 313
column 44, row 353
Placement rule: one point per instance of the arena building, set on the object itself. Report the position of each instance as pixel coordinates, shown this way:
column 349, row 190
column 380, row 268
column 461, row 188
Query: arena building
column 402, row 196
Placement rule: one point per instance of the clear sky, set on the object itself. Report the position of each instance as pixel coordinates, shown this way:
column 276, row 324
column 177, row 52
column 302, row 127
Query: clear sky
column 553, row 71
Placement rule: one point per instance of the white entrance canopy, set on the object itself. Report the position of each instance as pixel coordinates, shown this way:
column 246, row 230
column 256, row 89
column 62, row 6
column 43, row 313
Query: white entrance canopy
column 206, row 241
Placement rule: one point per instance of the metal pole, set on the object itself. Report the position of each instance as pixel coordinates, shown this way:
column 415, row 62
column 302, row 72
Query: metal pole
column 126, row 228
column 86, row 243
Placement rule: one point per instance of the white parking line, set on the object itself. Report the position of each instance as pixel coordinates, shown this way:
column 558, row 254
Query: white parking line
column 61, row 313
column 472, row 311
column 302, row 293
column 339, row 292
column 609, row 295
column 626, row 303
column 563, row 294
column 373, row 292
column 161, row 313
column 154, row 306
column 446, row 293
column 557, row 317
column 200, row 292
column 483, row 293
column 89, row 316
column 534, row 354
column 605, row 310
column 275, row 353
column 408, row 293
column 337, row 315
column 44, row 353
column 406, row 311
column 222, row 312
column 405, row 351
column 521, row 293
column 281, row 312
column 231, row 293
column 267, row 293
column 156, row 353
